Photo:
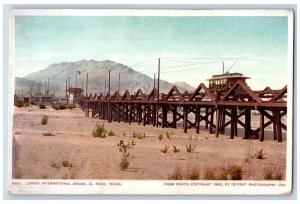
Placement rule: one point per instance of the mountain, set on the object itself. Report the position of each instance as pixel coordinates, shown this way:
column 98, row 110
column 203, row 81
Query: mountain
column 131, row 80
column 184, row 86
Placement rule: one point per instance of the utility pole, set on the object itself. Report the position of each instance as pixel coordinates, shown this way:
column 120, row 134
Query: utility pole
column 66, row 94
column 86, row 84
column 109, row 85
column 105, row 87
column 158, row 78
column 69, row 82
column 109, row 104
column 119, row 84
column 154, row 81
column 45, row 88
column 76, row 80
column 223, row 67
column 48, row 88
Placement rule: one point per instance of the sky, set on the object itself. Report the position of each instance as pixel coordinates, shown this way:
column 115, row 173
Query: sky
column 191, row 49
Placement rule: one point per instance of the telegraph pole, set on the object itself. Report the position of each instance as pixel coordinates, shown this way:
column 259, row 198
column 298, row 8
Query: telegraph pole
column 154, row 81
column 86, row 84
column 105, row 87
column 76, row 80
column 119, row 84
column 223, row 67
column 48, row 88
column 66, row 95
column 45, row 88
column 109, row 104
column 158, row 78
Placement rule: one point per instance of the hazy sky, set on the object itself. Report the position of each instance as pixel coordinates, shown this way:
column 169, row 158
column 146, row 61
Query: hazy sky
column 41, row 41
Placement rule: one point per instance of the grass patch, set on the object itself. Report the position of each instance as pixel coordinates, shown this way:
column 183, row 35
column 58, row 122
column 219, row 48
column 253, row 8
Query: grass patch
column 99, row 131
column 233, row 172
column 160, row 137
column 19, row 175
column 194, row 174
column 190, row 148
column 209, row 174
column 124, row 163
column 260, row 154
column 59, row 106
column 111, row 133
column 176, row 174
column 175, row 149
column 48, row 134
column 139, row 135
column 165, row 149
column 55, row 165
column 269, row 174
column 66, row 163
column 42, row 106
column 44, row 120
column 169, row 135
column 20, row 104
column 71, row 106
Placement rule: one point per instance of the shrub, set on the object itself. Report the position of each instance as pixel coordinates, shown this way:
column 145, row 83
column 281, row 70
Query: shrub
column 278, row 177
column 124, row 164
column 111, row 133
column 55, row 165
column 58, row 106
column 19, row 175
column 161, row 136
column 66, row 163
column 260, row 154
column 33, row 103
column 42, row 106
column 189, row 148
column 133, row 142
column 175, row 149
column 71, row 106
column 176, row 175
column 268, row 174
column 139, row 135
column 233, row 172
column 19, row 104
column 99, row 131
column 44, row 120
column 169, row 134
column 209, row 174
column 194, row 174
column 165, row 149
column 48, row 134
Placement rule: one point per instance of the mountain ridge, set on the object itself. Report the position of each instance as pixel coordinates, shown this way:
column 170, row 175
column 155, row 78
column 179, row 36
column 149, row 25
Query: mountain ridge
column 131, row 80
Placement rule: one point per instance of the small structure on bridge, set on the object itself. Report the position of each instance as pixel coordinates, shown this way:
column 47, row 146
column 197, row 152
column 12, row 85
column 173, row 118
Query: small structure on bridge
column 74, row 94
column 223, row 82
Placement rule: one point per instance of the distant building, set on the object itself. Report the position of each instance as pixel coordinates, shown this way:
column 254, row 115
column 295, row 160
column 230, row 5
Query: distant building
column 74, row 94
column 35, row 100
column 223, row 82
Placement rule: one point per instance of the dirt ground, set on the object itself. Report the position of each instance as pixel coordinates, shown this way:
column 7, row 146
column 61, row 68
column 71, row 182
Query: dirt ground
column 73, row 153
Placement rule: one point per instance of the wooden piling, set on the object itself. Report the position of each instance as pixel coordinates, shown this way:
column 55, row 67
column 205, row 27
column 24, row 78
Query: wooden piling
column 261, row 130
column 247, row 123
column 217, row 122
column 185, row 117
column 197, row 119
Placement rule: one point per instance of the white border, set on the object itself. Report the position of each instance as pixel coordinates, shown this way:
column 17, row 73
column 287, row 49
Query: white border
column 147, row 187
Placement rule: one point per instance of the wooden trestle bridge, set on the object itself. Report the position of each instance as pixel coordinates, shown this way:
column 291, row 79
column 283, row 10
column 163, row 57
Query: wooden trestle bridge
column 192, row 108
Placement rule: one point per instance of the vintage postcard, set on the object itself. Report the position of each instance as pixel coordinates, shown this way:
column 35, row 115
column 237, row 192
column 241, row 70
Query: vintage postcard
column 156, row 102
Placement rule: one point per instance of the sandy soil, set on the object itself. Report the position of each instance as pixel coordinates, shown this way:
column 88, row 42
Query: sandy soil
column 41, row 157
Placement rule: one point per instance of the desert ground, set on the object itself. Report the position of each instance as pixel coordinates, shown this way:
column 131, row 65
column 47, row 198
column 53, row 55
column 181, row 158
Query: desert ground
column 72, row 152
